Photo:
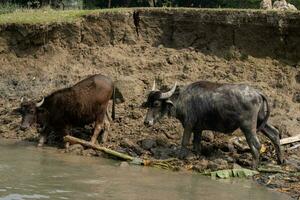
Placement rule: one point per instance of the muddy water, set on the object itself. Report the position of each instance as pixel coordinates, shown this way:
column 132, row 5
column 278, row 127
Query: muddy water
column 30, row 173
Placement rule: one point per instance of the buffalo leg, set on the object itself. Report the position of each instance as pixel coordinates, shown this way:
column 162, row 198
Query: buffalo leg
column 43, row 136
column 271, row 133
column 42, row 140
column 105, row 130
column 66, row 133
column 98, row 125
column 67, row 144
column 185, row 141
column 97, row 129
column 197, row 142
column 253, row 142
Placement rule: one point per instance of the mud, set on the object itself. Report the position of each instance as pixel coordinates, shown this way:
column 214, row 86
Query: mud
column 258, row 48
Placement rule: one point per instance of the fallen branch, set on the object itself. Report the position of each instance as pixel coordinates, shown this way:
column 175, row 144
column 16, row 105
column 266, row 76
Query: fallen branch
column 290, row 140
column 74, row 140
column 133, row 160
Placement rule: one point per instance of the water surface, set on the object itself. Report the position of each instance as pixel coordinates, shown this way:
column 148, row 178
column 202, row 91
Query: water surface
column 27, row 172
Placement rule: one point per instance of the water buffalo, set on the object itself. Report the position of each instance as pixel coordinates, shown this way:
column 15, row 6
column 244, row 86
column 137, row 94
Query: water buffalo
column 218, row 107
column 84, row 103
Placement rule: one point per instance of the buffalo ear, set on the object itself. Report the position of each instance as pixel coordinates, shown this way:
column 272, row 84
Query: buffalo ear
column 16, row 111
column 119, row 96
column 169, row 102
column 169, row 106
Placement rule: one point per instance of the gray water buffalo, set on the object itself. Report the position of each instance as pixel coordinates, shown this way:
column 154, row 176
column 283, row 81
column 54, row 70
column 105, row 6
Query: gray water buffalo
column 84, row 103
column 218, row 107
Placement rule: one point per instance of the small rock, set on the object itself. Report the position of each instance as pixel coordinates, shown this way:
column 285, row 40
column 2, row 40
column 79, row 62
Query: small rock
column 126, row 143
column 124, row 164
column 163, row 142
column 244, row 161
column 160, row 46
column 229, row 159
column 240, row 144
column 208, row 136
column 212, row 166
column 148, row 144
column 75, row 149
column 202, row 165
column 227, row 147
column 218, row 164
column 100, row 153
column 89, row 152
column 162, row 153
column 222, row 164
column 236, row 166
column 296, row 97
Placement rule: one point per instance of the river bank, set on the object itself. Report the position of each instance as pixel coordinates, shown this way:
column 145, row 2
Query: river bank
column 260, row 48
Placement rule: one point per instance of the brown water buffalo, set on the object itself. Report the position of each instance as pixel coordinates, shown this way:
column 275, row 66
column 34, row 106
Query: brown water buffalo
column 84, row 103
column 218, row 107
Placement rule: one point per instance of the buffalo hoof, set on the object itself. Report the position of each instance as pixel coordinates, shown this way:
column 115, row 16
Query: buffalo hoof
column 197, row 151
column 281, row 161
column 255, row 165
column 67, row 145
column 184, row 152
column 40, row 145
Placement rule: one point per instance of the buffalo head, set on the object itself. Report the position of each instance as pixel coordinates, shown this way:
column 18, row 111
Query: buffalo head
column 30, row 112
column 158, row 104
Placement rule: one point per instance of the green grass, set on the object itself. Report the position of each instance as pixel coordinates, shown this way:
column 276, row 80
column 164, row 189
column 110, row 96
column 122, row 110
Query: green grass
column 7, row 8
column 46, row 15
column 42, row 16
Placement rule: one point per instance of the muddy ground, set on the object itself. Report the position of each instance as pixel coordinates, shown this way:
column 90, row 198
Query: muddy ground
column 36, row 71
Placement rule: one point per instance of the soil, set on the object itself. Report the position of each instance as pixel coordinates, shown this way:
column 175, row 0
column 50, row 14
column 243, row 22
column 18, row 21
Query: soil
column 38, row 59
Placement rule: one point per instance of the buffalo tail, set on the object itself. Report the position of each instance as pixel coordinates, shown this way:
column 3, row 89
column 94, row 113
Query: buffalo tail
column 265, row 100
column 113, row 112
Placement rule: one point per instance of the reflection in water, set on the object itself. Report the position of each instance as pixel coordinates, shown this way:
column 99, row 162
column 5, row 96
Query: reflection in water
column 30, row 173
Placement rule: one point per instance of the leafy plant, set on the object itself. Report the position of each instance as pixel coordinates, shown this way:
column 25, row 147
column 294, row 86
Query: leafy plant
column 229, row 173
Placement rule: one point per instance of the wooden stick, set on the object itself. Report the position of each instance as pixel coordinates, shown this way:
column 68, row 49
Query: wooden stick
column 74, row 140
column 290, row 140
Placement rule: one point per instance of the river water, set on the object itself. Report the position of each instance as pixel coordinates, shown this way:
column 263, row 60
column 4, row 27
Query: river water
column 27, row 172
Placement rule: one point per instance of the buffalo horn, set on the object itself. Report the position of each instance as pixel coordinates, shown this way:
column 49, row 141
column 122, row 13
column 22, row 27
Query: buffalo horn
column 154, row 85
column 168, row 94
column 38, row 104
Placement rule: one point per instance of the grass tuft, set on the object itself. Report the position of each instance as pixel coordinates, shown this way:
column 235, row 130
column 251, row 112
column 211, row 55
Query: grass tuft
column 42, row 16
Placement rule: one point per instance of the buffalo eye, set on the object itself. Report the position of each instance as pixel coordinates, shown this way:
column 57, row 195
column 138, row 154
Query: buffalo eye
column 156, row 104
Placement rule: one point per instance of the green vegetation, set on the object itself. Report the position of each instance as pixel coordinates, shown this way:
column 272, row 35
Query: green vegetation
column 229, row 173
column 7, row 8
column 47, row 15
column 42, row 16
column 92, row 4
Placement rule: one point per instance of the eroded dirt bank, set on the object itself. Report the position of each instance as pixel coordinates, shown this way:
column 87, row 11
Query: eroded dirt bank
column 258, row 48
